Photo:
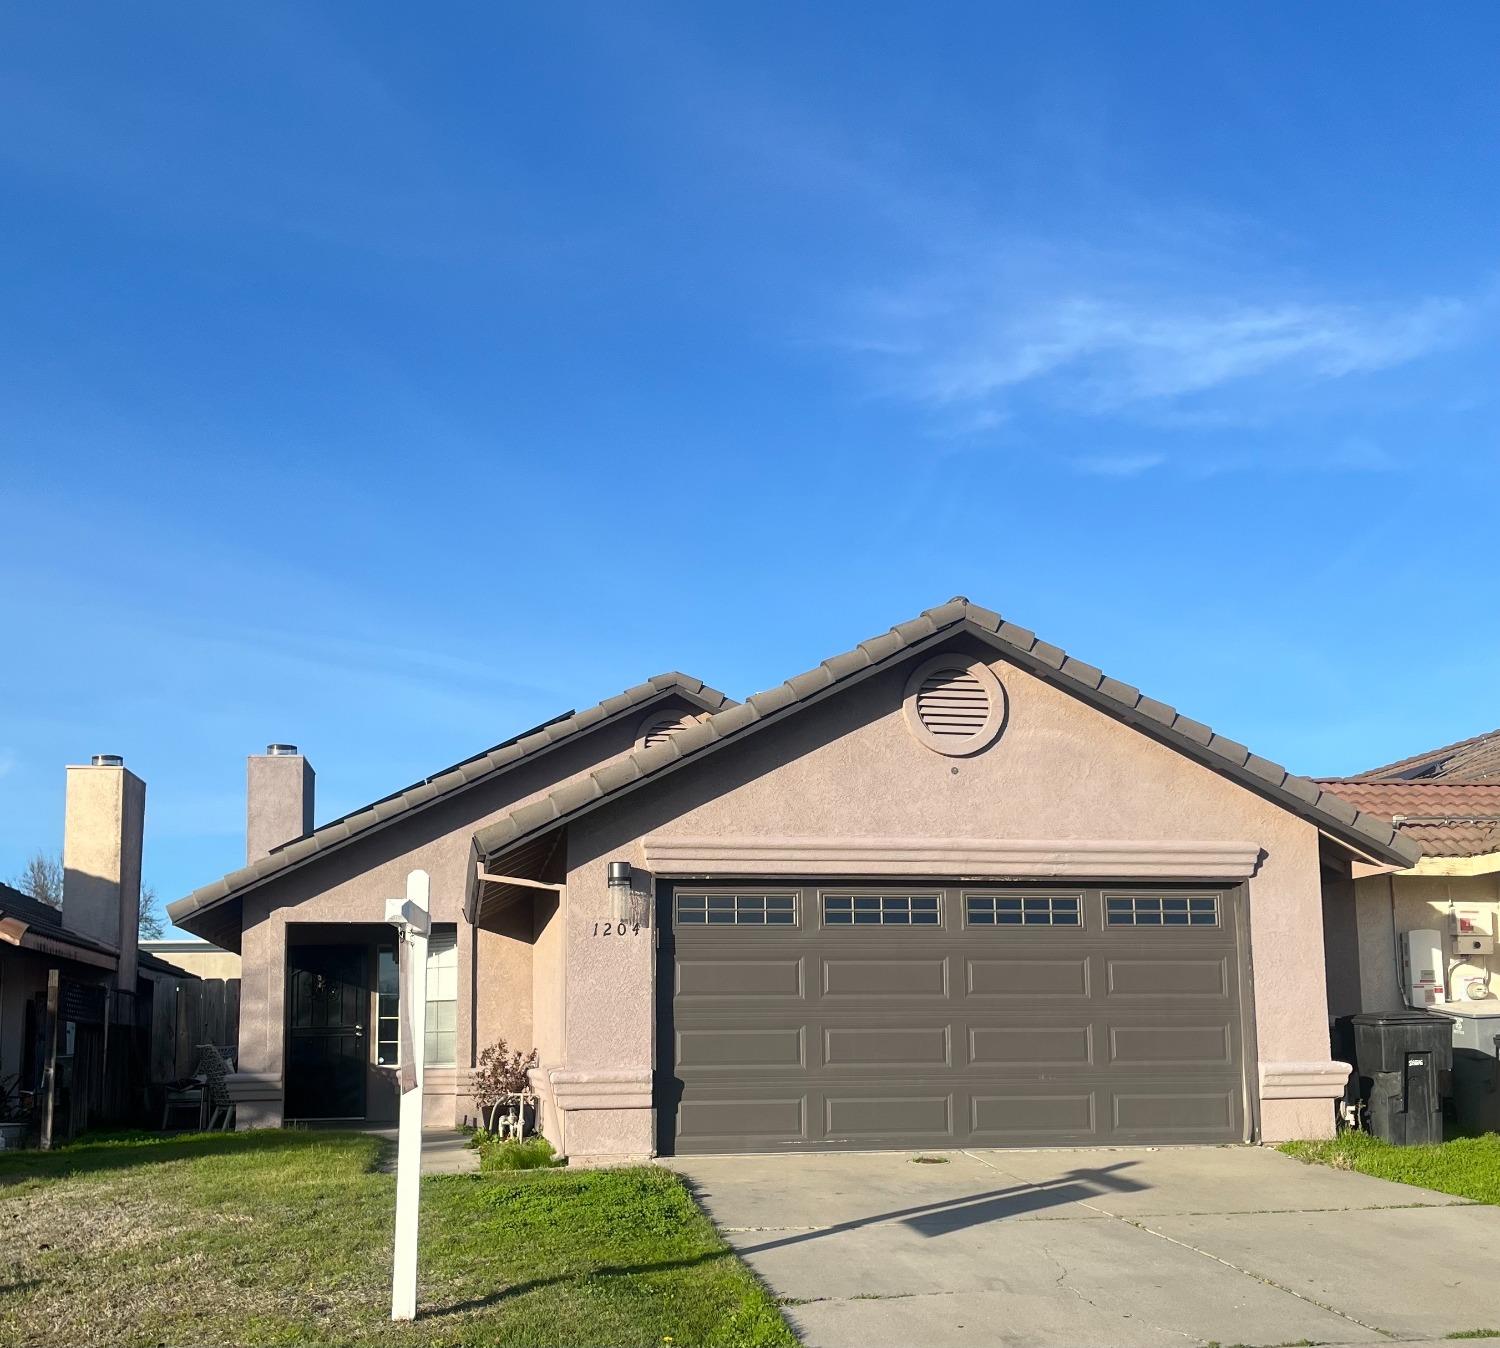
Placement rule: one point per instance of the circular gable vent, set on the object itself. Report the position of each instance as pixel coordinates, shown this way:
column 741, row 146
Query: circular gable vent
column 659, row 729
column 954, row 706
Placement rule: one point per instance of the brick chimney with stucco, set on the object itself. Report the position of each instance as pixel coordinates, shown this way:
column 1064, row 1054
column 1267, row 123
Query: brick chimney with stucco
column 105, row 819
column 278, row 799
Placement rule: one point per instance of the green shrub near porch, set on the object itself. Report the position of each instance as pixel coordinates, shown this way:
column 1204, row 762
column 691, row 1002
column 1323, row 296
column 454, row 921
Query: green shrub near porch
column 279, row 1237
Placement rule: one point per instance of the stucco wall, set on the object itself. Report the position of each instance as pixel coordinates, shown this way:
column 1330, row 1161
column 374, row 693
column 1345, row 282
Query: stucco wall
column 495, row 993
column 851, row 768
column 208, row 962
column 1419, row 901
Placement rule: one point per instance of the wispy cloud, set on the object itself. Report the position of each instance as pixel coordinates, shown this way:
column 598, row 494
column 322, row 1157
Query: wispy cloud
column 1135, row 342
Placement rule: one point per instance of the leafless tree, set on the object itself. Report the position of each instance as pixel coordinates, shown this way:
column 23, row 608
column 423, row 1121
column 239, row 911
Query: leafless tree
column 42, row 879
column 150, row 924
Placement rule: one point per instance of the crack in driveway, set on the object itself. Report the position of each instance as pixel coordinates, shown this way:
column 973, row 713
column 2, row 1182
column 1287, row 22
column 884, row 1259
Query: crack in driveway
column 1140, row 1225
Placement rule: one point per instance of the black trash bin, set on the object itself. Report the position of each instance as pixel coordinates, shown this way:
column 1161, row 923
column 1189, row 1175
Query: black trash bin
column 1405, row 1063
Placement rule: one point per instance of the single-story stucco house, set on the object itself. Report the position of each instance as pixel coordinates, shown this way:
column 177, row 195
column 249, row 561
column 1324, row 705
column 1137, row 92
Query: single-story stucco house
column 1448, row 801
column 951, row 887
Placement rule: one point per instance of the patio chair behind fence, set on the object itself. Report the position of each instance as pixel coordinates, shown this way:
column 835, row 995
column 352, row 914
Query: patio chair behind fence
column 187, row 1014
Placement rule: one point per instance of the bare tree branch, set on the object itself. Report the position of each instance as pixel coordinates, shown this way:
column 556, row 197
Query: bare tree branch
column 150, row 925
column 42, row 879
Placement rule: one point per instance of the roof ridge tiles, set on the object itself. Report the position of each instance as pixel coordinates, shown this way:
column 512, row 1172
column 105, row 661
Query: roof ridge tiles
column 1299, row 794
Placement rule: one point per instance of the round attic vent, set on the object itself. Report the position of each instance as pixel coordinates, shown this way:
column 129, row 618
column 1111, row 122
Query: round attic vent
column 659, row 729
column 954, row 706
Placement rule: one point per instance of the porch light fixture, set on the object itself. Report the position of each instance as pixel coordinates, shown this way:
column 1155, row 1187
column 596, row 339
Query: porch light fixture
column 620, row 887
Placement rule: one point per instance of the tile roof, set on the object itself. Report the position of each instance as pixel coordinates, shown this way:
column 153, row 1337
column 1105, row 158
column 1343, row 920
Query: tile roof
column 1370, row 834
column 46, row 920
column 1475, row 759
column 1448, row 818
column 482, row 767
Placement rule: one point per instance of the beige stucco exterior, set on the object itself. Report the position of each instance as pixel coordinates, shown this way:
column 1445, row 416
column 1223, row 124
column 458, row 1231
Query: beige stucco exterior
column 495, row 967
column 840, row 777
column 851, row 769
column 104, row 822
column 196, row 957
column 1395, row 902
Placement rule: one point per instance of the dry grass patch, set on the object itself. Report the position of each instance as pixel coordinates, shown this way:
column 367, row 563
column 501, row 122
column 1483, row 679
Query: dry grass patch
column 284, row 1237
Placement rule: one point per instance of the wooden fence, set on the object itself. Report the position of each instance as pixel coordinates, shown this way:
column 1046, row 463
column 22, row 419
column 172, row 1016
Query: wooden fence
column 187, row 1014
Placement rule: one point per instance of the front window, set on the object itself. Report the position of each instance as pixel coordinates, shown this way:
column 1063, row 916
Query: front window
column 442, row 995
column 387, row 1008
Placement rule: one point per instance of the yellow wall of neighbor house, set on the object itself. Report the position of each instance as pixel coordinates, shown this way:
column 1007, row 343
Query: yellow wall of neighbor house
column 209, row 962
column 1388, row 905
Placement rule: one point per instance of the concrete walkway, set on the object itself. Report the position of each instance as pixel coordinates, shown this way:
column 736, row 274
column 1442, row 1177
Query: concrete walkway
column 1135, row 1247
column 445, row 1151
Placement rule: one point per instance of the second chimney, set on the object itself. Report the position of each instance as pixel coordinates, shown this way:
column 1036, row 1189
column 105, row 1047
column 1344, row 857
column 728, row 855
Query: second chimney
column 104, row 821
column 278, row 799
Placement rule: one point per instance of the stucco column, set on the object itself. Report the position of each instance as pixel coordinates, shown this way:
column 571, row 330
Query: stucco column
column 604, row 1089
column 1298, row 1081
column 464, row 1051
column 259, row 1085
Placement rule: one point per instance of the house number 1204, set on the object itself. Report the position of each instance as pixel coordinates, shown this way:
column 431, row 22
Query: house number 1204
column 617, row 928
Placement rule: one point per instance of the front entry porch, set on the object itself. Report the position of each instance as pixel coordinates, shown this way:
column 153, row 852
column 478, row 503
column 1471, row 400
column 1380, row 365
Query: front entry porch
column 342, row 1049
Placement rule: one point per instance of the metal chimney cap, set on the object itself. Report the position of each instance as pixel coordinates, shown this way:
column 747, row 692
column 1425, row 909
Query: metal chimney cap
column 281, row 750
column 108, row 761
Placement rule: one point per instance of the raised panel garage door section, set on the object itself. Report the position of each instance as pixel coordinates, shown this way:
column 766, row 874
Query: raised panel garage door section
column 862, row 1015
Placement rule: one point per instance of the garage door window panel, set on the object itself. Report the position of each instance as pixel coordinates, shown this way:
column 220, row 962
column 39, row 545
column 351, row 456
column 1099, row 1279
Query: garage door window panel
column 1023, row 910
column 1161, row 910
column 736, row 910
column 881, row 910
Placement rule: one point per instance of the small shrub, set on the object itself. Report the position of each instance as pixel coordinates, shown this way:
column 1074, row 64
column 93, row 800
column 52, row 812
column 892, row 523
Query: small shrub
column 533, row 1154
column 501, row 1072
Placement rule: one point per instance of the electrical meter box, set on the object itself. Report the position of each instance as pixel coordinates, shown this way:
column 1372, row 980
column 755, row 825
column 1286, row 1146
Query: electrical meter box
column 1473, row 932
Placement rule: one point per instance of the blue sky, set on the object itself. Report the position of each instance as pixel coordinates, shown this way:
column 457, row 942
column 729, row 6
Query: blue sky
column 386, row 379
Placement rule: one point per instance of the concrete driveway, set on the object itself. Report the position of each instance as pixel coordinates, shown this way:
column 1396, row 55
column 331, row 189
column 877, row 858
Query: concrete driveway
column 1129, row 1246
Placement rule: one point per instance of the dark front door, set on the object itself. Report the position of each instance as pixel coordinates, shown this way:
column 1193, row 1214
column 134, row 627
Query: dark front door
column 328, row 1000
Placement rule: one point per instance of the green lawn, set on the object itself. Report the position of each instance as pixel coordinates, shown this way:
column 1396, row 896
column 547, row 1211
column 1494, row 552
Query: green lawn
column 1467, row 1166
column 285, row 1237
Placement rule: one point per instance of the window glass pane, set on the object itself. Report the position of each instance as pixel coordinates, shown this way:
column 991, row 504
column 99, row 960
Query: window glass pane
column 746, row 910
column 387, row 1007
column 887, row 910
column 442, row 994
column 1028, row 910
column 1163, row 910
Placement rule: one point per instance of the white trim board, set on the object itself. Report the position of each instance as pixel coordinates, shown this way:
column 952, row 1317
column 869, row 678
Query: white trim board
column 962, row 857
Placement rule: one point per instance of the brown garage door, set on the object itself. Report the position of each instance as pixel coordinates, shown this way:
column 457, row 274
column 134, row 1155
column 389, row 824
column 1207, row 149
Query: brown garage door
column 928, row 1015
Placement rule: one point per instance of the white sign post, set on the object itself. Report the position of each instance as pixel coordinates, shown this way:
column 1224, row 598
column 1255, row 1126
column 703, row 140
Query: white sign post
column 412, row 921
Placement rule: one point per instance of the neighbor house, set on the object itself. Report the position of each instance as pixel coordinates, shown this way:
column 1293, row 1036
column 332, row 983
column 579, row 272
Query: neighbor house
column 82, row 960
column 1448, row 801
column 196, row 957
column 950, row 887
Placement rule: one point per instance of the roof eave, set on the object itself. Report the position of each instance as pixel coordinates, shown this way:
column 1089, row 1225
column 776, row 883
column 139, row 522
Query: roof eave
column 1298, row 795
column 237, row 884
